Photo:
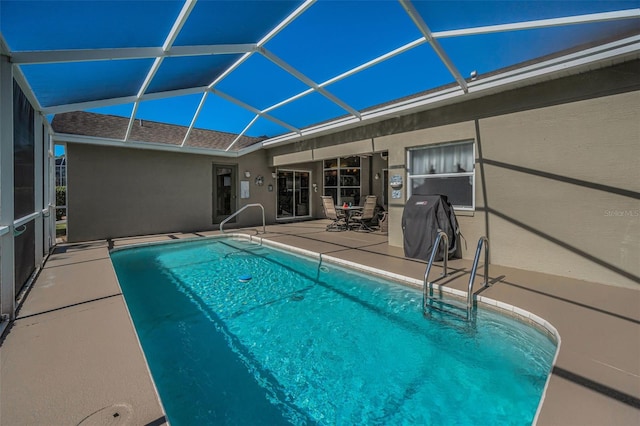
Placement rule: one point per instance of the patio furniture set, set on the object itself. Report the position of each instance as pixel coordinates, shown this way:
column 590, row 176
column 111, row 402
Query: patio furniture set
column 351, row 218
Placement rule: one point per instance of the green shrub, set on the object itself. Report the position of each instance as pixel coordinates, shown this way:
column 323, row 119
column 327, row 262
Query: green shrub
column 61, row 200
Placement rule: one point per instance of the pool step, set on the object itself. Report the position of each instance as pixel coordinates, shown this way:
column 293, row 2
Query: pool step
column 449, row 306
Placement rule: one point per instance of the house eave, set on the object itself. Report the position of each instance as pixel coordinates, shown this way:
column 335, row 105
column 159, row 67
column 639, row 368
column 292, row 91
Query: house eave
column 154, row 146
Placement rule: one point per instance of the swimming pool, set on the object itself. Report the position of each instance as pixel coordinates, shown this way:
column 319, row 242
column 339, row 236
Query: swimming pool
column 304, row 342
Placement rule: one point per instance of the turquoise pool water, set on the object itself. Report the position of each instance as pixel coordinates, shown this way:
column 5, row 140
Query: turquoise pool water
column 303, row 343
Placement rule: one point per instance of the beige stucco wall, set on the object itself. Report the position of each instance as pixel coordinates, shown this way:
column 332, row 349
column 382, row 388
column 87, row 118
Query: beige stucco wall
column 115, row 192
column 560, row 184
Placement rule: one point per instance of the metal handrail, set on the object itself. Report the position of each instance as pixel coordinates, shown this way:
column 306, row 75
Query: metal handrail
column 264, row 228
column 442, row 237
column 482, row 240
column 25, row 219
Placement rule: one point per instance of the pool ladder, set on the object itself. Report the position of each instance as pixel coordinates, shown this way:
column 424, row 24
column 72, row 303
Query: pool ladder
column 264, row 228
column 430, row 301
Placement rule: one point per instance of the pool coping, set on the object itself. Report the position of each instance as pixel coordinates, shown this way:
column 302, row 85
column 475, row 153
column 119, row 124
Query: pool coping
column 135, row 331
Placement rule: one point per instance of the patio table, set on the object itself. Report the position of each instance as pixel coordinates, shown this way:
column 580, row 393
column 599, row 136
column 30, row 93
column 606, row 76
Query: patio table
column 348, row 211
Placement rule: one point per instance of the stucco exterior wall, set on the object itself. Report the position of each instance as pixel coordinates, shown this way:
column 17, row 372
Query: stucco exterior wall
column 560, row 184
column 116, row 192
column 556, row 187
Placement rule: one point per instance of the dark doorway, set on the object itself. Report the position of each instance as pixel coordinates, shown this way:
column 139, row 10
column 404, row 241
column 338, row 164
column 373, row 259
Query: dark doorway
column 224, row 191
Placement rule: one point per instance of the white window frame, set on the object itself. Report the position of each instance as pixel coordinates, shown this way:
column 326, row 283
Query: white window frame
column 471, row 174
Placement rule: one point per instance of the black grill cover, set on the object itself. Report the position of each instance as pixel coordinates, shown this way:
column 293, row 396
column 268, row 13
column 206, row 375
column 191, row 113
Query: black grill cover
column 423, row 217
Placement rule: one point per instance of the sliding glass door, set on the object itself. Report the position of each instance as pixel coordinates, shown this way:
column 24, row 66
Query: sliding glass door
column 293, row 194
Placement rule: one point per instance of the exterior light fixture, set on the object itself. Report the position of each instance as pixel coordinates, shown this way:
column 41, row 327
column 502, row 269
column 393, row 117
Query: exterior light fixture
column 247, row 174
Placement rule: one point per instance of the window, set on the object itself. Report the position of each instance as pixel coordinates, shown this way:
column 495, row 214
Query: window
column 444, row 169
column 342, row 179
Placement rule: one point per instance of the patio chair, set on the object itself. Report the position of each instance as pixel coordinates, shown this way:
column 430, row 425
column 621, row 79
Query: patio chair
column 363, row 220
column 338, row 220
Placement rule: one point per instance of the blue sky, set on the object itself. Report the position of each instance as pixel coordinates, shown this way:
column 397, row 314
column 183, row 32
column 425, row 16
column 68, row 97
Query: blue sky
column 328, row 39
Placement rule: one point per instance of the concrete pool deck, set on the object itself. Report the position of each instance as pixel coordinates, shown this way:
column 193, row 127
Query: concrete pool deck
column 72, row 355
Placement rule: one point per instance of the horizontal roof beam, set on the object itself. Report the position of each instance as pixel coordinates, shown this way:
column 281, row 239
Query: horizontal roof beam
column 80, row 106
column 88, row 55
column 542, row 23
column 628, row 48
column 156, row 146
column 84, row 55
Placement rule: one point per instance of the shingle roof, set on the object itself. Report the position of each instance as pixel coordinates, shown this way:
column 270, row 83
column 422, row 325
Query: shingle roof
column 114, row 127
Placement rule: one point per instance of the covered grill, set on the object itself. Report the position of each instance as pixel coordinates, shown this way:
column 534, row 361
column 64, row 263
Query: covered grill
column 423, row 217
